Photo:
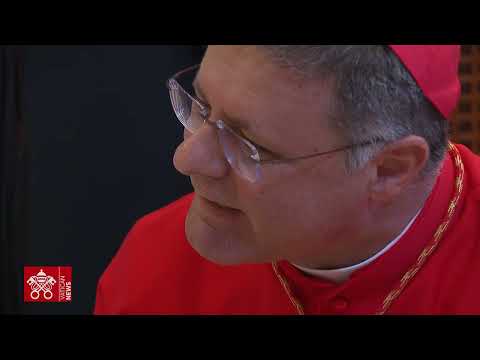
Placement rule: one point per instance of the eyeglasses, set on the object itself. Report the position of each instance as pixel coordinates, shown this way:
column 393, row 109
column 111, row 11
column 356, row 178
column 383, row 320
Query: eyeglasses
column 245, row 158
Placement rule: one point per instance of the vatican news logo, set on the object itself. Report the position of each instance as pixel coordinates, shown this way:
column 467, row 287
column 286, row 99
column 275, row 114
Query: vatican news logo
column 47, row 284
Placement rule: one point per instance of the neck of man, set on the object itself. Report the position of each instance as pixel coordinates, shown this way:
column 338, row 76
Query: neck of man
column 385, row 223
column 388, row 222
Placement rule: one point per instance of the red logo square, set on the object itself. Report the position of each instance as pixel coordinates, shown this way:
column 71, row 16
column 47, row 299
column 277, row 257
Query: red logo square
column 47, row 284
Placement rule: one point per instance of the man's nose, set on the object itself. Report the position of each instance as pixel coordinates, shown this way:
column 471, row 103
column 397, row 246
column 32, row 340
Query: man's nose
column 201, row 154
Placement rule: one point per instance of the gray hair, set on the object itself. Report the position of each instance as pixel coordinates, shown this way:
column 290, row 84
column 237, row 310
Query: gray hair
column 376, row 99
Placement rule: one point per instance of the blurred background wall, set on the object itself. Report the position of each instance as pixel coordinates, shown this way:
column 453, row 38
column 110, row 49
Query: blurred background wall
column 466, row 120
column 101, row 135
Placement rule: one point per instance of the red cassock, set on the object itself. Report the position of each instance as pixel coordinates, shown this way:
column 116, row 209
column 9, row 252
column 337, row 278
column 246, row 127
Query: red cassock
column 433, row 269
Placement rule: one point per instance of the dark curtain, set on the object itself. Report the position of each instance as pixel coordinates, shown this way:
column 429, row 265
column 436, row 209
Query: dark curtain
column 102, row 135
column 13, row 180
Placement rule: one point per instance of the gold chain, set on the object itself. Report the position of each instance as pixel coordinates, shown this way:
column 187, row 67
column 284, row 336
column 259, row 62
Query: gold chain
column 293, row 299
column 427, row 251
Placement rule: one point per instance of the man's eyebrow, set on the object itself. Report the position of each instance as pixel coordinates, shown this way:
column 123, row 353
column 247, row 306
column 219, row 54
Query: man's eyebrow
column 230, row 120
column 235, row 123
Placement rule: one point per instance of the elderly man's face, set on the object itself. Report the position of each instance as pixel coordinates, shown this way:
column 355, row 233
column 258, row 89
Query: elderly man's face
column 305, row 211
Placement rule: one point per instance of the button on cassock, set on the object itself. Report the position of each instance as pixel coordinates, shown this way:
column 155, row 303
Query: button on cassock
column 339, row 304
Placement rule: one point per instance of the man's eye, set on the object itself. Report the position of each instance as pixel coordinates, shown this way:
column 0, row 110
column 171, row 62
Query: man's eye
column 263, row 154
column 262, row 150
column 203, row 113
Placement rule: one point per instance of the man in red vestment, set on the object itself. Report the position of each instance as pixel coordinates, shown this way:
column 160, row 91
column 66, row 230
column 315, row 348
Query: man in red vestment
column 324, row 184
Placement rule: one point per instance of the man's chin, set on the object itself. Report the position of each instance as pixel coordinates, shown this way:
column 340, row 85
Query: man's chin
column 216, row 245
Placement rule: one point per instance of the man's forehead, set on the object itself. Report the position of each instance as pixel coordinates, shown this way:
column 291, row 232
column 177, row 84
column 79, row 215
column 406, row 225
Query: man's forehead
column 235, row 62
column 254, row 73
column 264, row 97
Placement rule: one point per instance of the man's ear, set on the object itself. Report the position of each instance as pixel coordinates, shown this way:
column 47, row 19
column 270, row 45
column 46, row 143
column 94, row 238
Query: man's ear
column 397, row 166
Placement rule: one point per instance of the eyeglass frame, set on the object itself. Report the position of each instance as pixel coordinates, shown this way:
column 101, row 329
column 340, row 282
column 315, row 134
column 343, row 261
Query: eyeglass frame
column 203, row 105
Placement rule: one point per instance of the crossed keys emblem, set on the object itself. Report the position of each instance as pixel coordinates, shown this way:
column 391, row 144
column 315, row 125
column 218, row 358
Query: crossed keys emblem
column 41, row 282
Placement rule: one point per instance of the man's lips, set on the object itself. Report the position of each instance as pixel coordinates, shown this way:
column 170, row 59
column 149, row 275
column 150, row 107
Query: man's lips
column 206, row 191
column 217, row 203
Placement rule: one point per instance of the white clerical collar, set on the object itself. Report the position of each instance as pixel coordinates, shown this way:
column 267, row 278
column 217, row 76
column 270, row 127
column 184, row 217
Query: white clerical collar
column 341, row 275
